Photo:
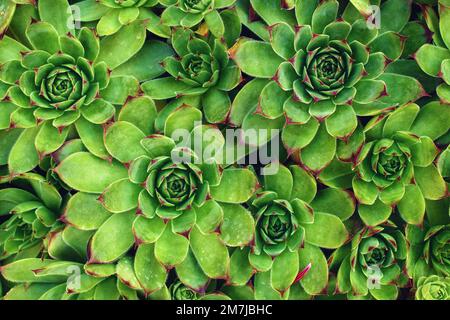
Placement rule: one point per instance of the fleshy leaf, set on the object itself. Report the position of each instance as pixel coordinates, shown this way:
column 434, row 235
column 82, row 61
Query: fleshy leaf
column 210, row 252
column 112, row 239
column 316, row 279
column 87, row 173
column 238, row 225
column 327, row 231
column 85, row 212
column 236, row 186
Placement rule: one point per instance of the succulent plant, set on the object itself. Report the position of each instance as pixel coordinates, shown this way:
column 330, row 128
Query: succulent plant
column 31, row 208
column 178, row 208
column 64, row 273
column 428, row 251
column 48, row 279
column 372, row 265
column 113, row 15
column 179, row 291
column 66, row 81
column 55, row 86
column 202, row 69
column 433, row 288
column 277, row 228
column 37, row 278
column 396, row 165
column 291, row 225
column 434, row 58
column 189, row 13
column 315, row 73
column 220, row 149
column 54, row 77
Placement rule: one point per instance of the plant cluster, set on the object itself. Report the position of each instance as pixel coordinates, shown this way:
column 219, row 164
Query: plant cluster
column 118, row 178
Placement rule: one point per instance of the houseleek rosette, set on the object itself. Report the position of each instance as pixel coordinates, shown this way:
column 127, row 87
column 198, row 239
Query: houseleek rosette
column 33, row 206
column 113, row 15
column 54, row 81
column 396, row 166
column 433, row 288
column 180, row 292
column 276, row 225
column 54, row 78
column 315, row 73
column 189, row 13
column 201, row 69
column 372, row 264
column 107, row 195
column 428, row 252
column 292, row 225
column 179, row 210
column 174, row 185
column 49, row 89
column 434, row 58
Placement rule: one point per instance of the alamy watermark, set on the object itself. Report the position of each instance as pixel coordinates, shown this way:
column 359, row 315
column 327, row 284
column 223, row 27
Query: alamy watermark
column 74, row 18
column 74, row 277
column 374, row 19
column 374, row 276
column 234, row 146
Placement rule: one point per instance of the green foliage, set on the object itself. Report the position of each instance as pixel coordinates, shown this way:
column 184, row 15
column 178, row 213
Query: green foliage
column 119, row 179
